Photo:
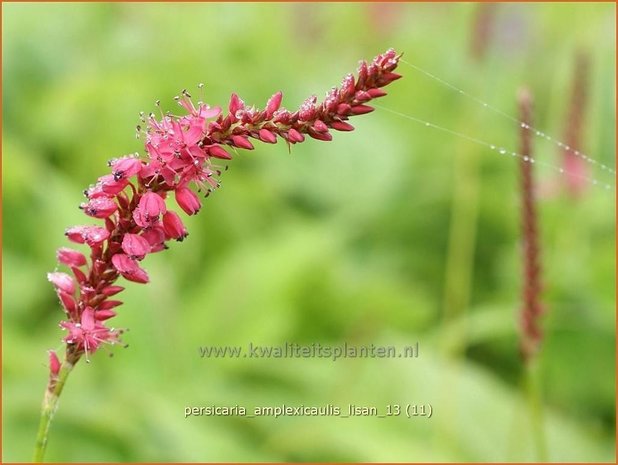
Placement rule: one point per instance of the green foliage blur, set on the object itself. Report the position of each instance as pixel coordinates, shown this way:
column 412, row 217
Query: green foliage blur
column 392, row 234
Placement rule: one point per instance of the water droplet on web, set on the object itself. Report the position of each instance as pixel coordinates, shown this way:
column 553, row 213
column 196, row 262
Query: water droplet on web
column 493, row 147
column 502, row 151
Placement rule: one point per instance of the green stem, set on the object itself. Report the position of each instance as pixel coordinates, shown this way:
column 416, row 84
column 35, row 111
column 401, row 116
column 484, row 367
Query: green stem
column 50, row 404
column 533, row 388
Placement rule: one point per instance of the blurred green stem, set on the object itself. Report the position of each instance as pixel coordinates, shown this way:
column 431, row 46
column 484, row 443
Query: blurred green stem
column 50, row 404
column 461, row 244
column 533, row 389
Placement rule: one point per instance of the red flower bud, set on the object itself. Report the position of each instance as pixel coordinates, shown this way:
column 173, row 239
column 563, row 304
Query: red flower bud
column 54, row 363
column 109, row 304
column 151, row 205
column 295, row 136
column 218, row 152
column 155, row 237
column 362, row 96
column 129, row 268
column 344, row 109
column 102, row 315
column 375, row 93
column 361, row 109
column 267, row 136
column 135, row 246
column 188, row 200
column 91, row 235
column 242, row 142
column 319, row 126
column 70, row 257
column 325, row 136
column 126, row 167
column 342, row 126
column 173, row 227
column 62, row 282
column 273, row 104
column 235, row 104
column 99, row 207
column 112, row 290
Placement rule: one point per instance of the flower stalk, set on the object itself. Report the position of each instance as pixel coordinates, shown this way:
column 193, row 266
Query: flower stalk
column 50, row 405
column 182, row 160
column 531, row 334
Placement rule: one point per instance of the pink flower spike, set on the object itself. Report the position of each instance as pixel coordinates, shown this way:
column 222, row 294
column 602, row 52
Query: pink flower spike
column 187, row 200
column 54, row 364
column 126, row 167
column 273, row 104
column 242, row 142
column 135, row 246
column 99, row 207
column 218, row 152
column 70, row 257
column 62, row 282
column 267, row 136
column 173, row 226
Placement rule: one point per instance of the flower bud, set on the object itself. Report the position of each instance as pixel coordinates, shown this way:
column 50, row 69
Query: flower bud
column 361, row 109
column 102, row 315
column 342, row 126
column 187, row 200
column 151, row 205
column 99, row 207
column 273, row 104
column 54, row 364
column 135, row 246
column 62, row 282
column 218, row 152
column 242, row 142
column 295, row 136
column 173, row 227
column 112, row 290
column 70, row 257
column 267, row 136
column 126, row 167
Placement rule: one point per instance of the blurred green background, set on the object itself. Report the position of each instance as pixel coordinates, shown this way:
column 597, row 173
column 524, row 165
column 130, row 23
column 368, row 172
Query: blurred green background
column 392, row 234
